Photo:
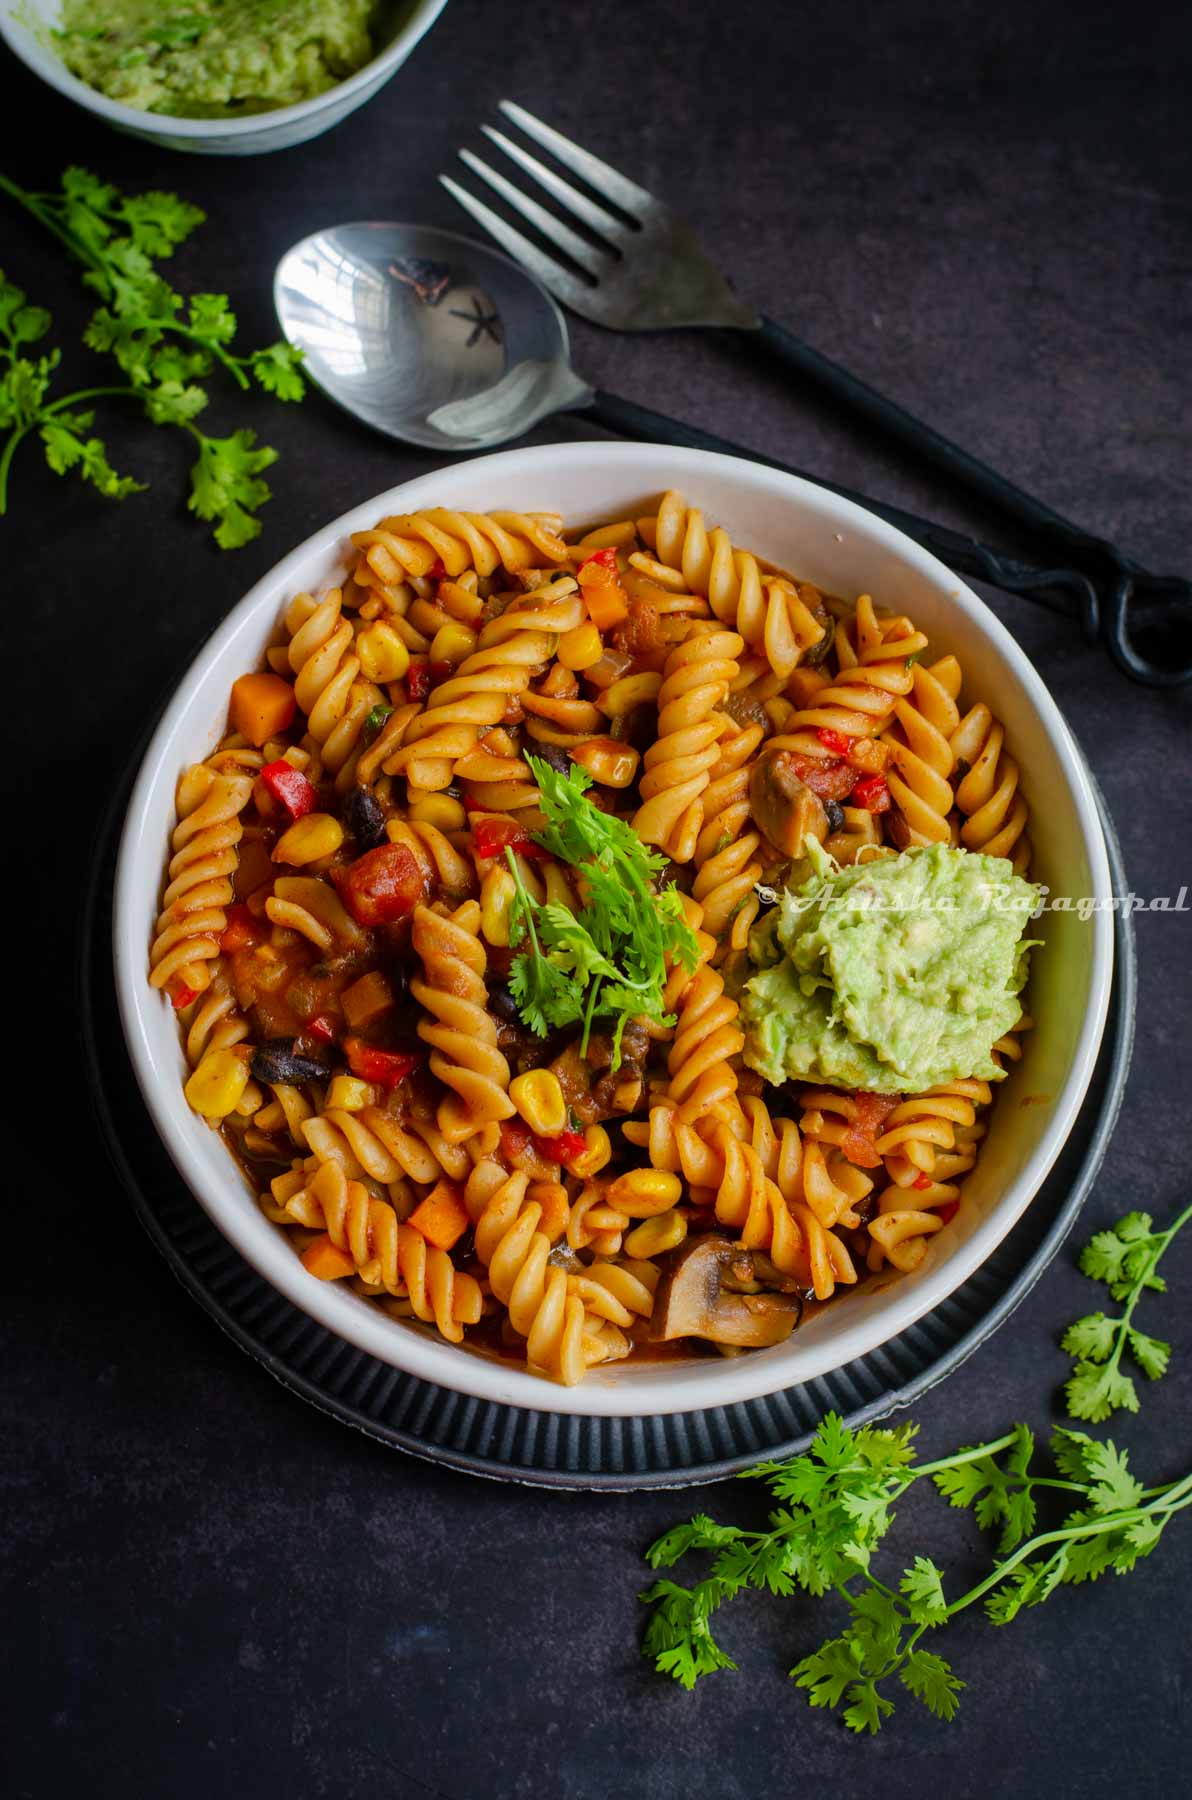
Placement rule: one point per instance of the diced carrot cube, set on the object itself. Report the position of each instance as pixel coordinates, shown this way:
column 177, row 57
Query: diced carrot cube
column 442, row 1218
column 327, row 1260
column 261, row 707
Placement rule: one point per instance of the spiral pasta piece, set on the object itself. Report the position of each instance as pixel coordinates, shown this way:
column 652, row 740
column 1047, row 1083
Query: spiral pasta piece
column 707, row 1035
column 725, row 850
column 858, row 701
column 410, row 544
column 987, row 794
column 695, row 681
column 456, row 1024
column 921, row 754
column 204, row 843
column 388, row 1255
column 925, row 1123
column 328, row 685
column 542, row 1308
column 772, row 614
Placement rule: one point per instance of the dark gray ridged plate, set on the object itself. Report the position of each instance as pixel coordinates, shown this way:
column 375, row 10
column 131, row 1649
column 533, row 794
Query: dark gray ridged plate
column 557, row 1449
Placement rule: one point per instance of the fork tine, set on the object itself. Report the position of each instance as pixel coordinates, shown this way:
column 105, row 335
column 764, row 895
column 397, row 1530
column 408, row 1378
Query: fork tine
column 554, row 230
column 593, row 216
column 565, row 287
column 607, row 181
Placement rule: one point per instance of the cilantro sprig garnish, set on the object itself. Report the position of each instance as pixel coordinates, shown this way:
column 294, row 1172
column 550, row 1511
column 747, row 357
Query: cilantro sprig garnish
column 1125, row 1259
column 836, row 1506
column 164, row 343
column 610, row 961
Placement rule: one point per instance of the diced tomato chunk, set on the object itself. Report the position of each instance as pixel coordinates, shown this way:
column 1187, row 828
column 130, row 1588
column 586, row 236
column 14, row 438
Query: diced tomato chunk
column 181, row 995
column 922, row 1181
column 290, row 788
column 321, row 1027
column 437, row 570
column 418, row 677
column 872, row 793
column 835, row 741
column 606, row 557
column 241, row 930
column 385, row 1067
column 382, row 885
column 946, row 1214
column 515, row 1137
column 870, row 1112
column 829, row 780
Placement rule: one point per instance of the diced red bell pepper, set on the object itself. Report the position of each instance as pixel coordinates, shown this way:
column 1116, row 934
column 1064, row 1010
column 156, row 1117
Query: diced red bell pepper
column 835, row 741
column 290, row 788
column 321, row 1027
column 492, row 837
column 385, row 1067
column 946, row 1214
column 829, row 780
column 922, row 1181
column 606, row 557
column 382, row 885
column 241, row 930
column 873, row 793
column 561, row 1149
column 181, row 995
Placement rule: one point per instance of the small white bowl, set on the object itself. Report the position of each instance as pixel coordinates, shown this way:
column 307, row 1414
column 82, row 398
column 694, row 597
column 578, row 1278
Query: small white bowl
column 27, row 25
column 843, row 550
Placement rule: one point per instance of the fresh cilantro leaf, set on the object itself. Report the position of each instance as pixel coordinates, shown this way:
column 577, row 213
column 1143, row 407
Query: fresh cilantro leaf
column 66, row 449
column 867, row 1707
column 923, row 1587
column 827, row 1672
column 278, row 370
column 1095, row 1391
column 1150, row 1353
column 1125, row 1258
column 930, row 1679
column 226, row 486
column 1093, row 1337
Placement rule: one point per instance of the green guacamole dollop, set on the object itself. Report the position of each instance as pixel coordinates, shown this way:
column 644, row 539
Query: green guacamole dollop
column 892, row 975
column 214, row 58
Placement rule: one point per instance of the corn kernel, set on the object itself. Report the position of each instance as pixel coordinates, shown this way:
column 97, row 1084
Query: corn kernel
column 496, row 897
column 308, row 840
column 348, row 1094
column 383, row 655
column 215, row 1088
column 539, row 1099
column 630, row 691
column 665, row 1231
column 451, row 643
column 595, row 1155
column 608, row 761
column 644, row 1192
column 439, row 810
column 580, row 647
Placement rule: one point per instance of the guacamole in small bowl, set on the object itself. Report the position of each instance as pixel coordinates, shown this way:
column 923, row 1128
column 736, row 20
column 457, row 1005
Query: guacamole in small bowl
column 200, row 59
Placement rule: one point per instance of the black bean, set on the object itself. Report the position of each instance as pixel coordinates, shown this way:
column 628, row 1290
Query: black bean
column 558, row 759
column 667, row 876
column 365, row 818
column 275, row 1062
column 835, row 815
column 502, row 1003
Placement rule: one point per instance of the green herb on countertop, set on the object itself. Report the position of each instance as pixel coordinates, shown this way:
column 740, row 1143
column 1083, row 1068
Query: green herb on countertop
column 164, row 343
column 226, row 485
column 610, row 960
column 1125, row 1259
column 836, row 1505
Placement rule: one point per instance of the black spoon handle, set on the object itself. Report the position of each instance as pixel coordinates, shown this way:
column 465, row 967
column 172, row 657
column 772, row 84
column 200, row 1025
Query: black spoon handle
column 961, row 553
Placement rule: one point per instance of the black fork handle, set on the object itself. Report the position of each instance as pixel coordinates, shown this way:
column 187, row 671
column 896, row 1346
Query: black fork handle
column 940, row 452
column 1063, row 590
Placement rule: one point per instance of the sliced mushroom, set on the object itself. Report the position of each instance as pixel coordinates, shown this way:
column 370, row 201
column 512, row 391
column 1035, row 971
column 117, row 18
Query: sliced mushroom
column 784, row 808
column 695, row 1298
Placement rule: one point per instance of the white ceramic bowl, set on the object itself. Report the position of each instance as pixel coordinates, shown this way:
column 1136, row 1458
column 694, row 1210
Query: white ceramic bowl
column 27, row 27
column 844, row 550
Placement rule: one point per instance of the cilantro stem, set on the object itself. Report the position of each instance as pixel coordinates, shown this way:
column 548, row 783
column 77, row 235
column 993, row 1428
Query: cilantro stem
column 21, row 431
column 1162, row 1243
column 957, row 1461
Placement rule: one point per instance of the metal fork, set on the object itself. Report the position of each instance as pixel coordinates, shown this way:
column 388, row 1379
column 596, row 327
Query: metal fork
column 650, row 272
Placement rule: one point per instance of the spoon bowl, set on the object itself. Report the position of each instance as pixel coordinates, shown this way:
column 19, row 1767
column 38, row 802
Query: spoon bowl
column 424, row 335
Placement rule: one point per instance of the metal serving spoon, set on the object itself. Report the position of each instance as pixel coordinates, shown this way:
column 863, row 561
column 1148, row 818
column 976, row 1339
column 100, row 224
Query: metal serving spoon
column 437, row 340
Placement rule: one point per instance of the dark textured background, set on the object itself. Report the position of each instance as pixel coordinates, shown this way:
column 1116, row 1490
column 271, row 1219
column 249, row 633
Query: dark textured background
column 211, row 1588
